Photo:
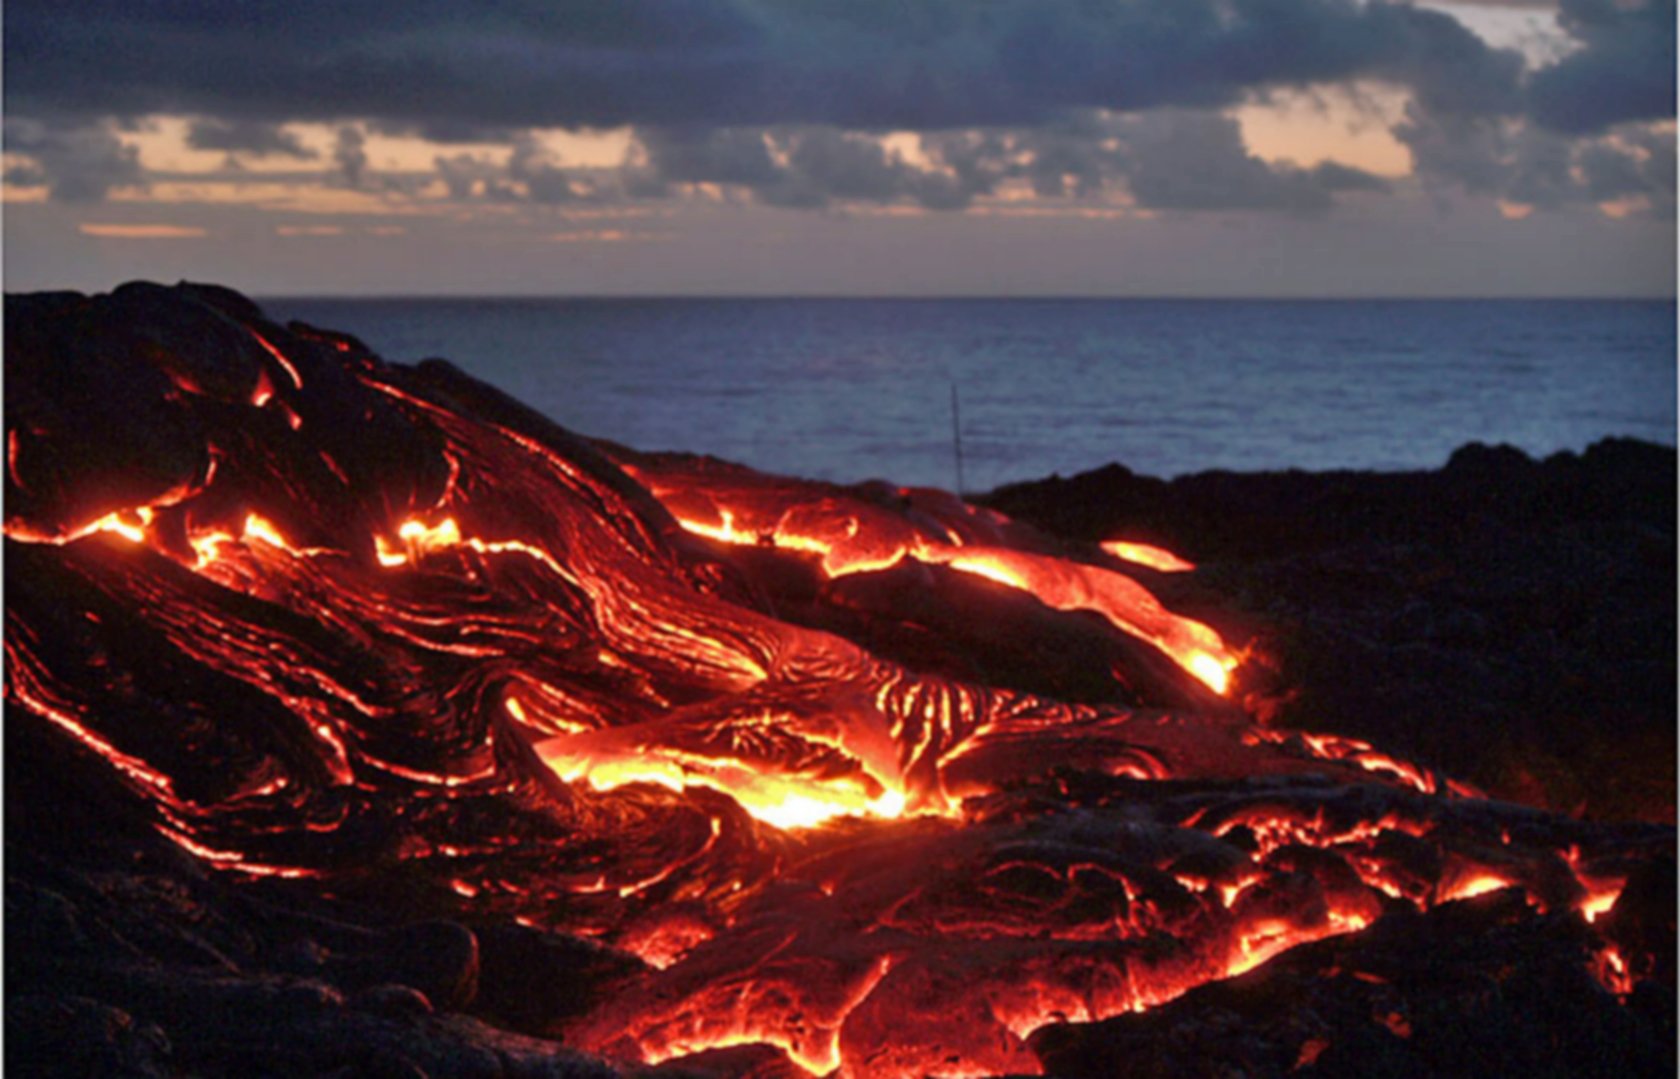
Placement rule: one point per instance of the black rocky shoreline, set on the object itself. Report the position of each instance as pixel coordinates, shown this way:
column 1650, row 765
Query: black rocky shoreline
column 1508, row 620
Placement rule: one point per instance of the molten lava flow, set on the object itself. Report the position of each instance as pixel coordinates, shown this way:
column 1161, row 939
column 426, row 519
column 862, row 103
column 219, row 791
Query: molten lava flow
column 1156, row 558
column 852, row 536
column 453, row 654
column 783, row 800
column 280, row 358
column 130, row 522
column 418, row 538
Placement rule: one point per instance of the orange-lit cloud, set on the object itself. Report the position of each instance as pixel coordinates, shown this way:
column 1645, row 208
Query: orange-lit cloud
column 305, row 196
column 601, row 236
column 307, row 231
column 1307, row 128
column 1083, row 213
column 141, row 232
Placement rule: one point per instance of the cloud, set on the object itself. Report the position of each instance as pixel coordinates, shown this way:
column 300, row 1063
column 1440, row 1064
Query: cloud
column 544, row 181
column 26, row 174
column 350, row 156
column 826, row 164
column 141, row 232
column 801, row 167
column 972, row 160
column 1181, row 159
column 458, row 71
column 1450, row 69
column 1636, row 163
column 601, row 236
column 1625, row 69
column 1528, row 165
column 246, row 136
column 1334, row 176
column 1177, row 160
column 465, row 176
column 77, row 164
column 784, row 101
column 1467, row 151
column 711, row 156
column 1074, row 157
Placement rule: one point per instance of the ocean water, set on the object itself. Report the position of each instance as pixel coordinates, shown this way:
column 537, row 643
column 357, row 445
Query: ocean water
column 855, row 389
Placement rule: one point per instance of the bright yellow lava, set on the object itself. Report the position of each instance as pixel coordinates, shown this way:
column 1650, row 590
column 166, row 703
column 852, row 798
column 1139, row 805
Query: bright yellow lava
column 1156, row 558
column 784, row 801
column 1214, row 672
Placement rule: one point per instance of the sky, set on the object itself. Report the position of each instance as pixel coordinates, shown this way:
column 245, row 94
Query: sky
column 866, row 147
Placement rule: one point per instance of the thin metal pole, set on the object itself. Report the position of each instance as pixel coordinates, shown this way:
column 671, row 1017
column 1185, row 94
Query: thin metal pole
column 956, row 436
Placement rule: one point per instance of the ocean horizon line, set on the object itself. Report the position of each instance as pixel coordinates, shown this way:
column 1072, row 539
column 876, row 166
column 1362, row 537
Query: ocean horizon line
column 885, row 297
column 746, row 297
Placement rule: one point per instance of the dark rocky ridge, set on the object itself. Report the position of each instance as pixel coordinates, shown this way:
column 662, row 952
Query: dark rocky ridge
column 1508, row 620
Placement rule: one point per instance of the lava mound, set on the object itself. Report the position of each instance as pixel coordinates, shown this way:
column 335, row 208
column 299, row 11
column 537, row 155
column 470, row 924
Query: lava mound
column 360, row 720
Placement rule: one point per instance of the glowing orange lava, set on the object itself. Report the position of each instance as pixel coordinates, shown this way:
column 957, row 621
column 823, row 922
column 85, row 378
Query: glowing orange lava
column 852, row 539
column 481, row 657
column 1156, row 558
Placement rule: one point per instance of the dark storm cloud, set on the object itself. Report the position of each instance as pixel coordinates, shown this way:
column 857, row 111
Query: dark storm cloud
column 772, row 98
column 1530, row 165
column 1334, row 176
column 458, row 69
column 1624, row 70
column 1638, row 163
column 1468, row 151
column 718, row 156
column 465, row 175
column 75, row 163
column 1176, row 160
column 834, row 164
column 1185, row 162
column 246, row 136
column 1171, row 159
column 1610, row 174
column 26, row 174
column 349, row 155
column 972, row 159
column 545, row 181
column 802, row 168
column 1587, row 142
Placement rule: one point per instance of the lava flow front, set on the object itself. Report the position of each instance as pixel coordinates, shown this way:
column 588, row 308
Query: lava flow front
column 868, row 775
